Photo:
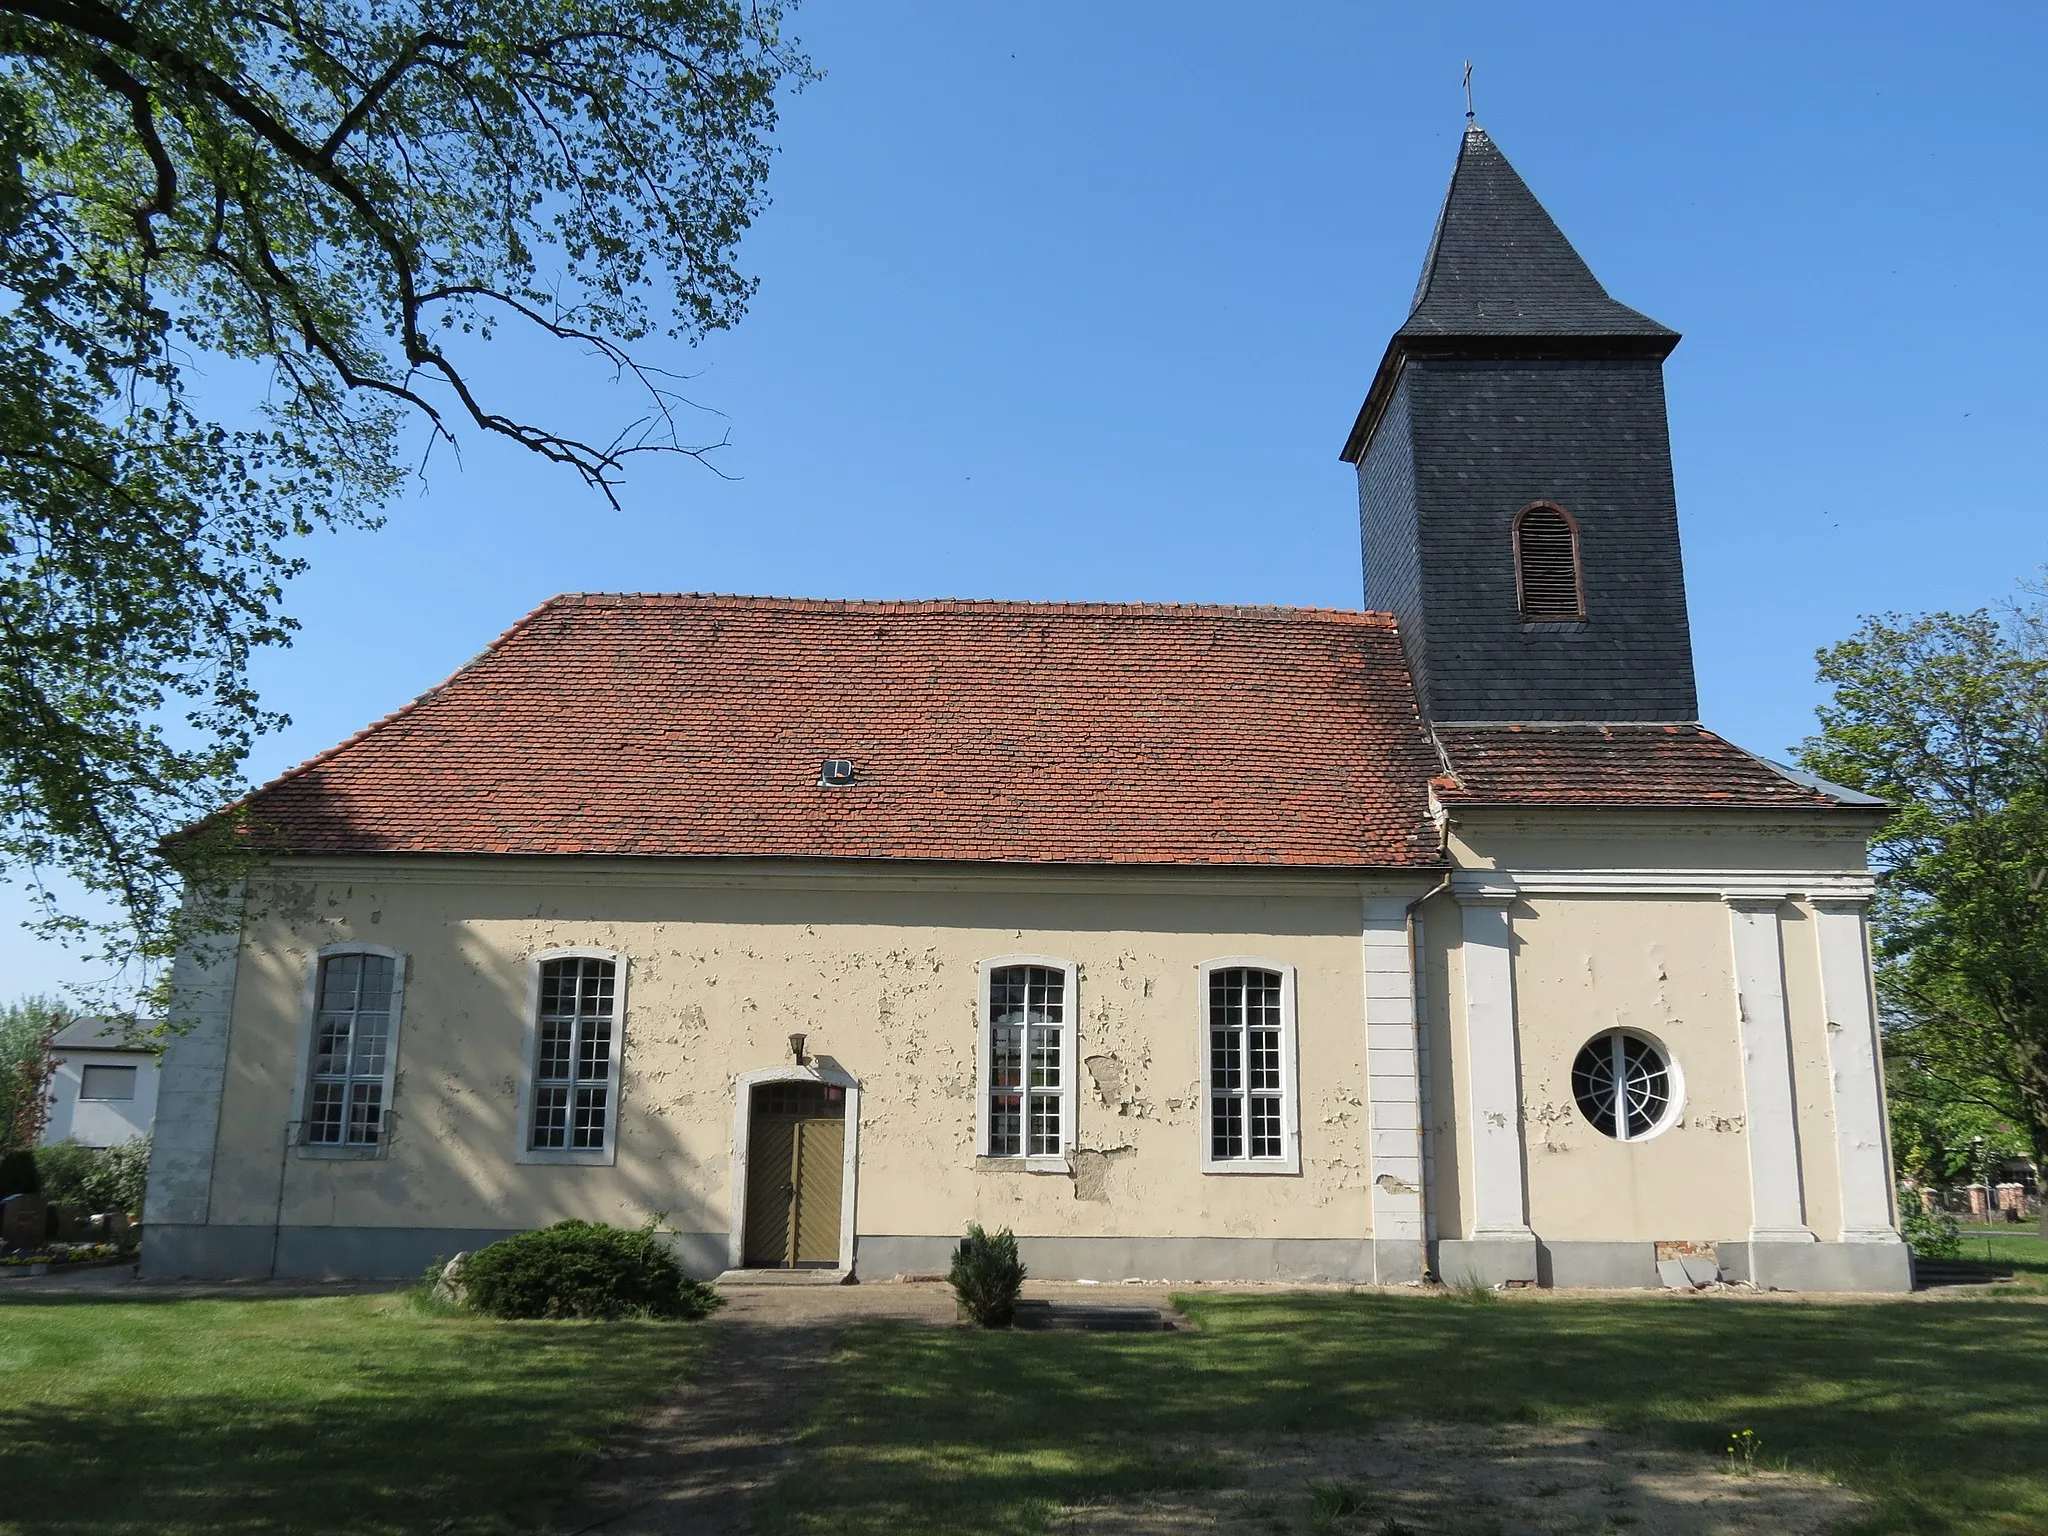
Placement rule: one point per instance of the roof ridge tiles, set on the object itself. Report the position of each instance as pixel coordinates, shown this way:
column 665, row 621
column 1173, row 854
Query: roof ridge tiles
column 968, row 606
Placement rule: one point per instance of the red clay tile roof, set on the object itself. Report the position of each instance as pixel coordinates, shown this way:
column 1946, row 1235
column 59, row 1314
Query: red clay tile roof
column 1643, row 765
column 1014, row 732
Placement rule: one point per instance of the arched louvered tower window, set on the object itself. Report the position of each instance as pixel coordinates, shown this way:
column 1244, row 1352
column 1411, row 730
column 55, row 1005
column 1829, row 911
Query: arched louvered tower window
column 1547, row 565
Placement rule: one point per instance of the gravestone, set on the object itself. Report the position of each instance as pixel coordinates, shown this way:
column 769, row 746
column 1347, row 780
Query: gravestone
column 22, row 1221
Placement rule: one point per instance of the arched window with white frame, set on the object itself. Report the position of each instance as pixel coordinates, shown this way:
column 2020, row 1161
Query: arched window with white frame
column 1026, row 1044
column 569, row 1089
column 1251, row 1121
column 354, row 996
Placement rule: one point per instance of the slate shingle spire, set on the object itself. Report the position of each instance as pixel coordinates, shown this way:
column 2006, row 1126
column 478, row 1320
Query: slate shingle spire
column 1498, row 265
column 1517, row 384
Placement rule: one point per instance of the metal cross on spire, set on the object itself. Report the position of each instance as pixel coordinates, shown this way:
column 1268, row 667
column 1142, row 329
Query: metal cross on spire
column 1469, row 117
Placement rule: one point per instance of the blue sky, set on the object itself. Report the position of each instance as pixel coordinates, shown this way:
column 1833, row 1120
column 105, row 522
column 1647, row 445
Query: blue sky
column 1078, row 301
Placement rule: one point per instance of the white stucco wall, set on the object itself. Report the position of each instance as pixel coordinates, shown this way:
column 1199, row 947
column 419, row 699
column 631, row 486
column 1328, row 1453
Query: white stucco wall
column 100, row 1122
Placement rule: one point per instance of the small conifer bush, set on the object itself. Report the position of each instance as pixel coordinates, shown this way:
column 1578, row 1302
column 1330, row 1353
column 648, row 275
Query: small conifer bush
column 583, row 1269
column 988, row 1276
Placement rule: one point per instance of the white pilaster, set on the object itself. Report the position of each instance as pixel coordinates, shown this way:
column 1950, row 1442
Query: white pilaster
column 1493, row 1079
column 1393, row 1093
column 1777, row 1204
column 193, row 1073
column 1861, row 1147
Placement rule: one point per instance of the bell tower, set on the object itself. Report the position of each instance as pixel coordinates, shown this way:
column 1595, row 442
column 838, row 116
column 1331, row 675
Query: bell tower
column 1514, row 476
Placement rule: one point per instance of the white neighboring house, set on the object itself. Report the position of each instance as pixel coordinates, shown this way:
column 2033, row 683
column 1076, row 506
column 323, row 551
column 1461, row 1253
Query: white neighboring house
column 103, row 1090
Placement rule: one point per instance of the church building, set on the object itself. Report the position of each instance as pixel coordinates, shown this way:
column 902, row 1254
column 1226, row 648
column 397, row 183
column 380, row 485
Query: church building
column 1188, row 942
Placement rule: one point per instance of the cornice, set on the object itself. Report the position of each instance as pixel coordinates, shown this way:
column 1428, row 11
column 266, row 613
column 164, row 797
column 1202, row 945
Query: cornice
column 1727, row 884
column 894, row 877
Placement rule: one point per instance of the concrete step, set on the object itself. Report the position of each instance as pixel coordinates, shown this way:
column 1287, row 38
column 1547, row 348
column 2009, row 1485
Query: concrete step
column 1928, row 1273
column 784, row 1277
column 1077, row 1317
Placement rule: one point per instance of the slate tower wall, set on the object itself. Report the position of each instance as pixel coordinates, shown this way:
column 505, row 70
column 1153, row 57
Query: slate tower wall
column 1516, row 381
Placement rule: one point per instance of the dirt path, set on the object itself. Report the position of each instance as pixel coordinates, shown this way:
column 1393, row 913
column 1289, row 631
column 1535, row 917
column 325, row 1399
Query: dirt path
column 1503, row 1479
column 695, row 1464
column 701, row 1457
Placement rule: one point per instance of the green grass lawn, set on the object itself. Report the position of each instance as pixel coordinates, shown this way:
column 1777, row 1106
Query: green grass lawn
column 1936, row 1410
column 331, row 1414
column 2012, row 1247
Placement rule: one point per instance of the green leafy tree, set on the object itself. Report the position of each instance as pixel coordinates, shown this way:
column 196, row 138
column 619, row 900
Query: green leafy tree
column 1944, row 1134
column 1946, row 716
column 26, row 1026
column 337, row 202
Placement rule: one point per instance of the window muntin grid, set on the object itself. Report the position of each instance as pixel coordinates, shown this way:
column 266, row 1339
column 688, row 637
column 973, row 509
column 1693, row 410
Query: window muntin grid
column 353, row 1006
column 573, row 1052
column 1622, row 1084
column 1247, row 1085
column 1027, row 1024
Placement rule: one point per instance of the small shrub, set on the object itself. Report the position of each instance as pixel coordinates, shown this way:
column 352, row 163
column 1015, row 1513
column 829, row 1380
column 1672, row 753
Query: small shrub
column 64, row 1169
column 95, row 1179
column 988, row 1276
column 1931, row 1234
column 18, row 1174
column 583, row 1269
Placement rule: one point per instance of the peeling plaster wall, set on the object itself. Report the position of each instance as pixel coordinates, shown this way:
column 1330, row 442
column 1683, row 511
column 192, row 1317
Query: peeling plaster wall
column 879, row 972
column 1587, row 964
column 1662, row 964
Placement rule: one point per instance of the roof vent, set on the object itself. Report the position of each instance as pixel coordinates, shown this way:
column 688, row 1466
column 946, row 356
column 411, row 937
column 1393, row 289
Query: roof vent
column 836, row 774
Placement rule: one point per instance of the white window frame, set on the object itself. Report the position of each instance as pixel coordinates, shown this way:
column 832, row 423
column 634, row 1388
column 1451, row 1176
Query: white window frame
column 309, row 1024
column 1674, row 1086
column 1070, row 1058
column 1289, row 1162
column 523, row 1149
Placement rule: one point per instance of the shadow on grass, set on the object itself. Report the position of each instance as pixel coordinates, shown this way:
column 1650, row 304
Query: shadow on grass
column 1935, row 1412
column 310, row 1416
column 138, row 1296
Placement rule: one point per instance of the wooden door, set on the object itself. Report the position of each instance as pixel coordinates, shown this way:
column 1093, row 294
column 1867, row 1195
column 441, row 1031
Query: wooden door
column 771, row 1191
column 820, row 1163
column 796, row 1150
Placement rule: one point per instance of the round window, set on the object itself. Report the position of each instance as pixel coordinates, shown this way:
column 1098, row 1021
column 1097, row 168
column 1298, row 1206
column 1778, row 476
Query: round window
column 1623, row 1084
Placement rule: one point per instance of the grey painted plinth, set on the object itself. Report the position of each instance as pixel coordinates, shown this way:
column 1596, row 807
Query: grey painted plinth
column 348, row 1253
column 197, row 1252
column 1399, row 1261
column 1490, row 1260
column 1138, row 1258
column 1819, row 1266
column 1601, row 1266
